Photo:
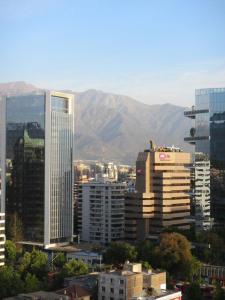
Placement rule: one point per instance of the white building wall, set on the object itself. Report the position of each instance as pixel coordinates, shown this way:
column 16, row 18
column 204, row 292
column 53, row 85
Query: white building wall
column 2, row 239
column 202, row 194
column 101, row 211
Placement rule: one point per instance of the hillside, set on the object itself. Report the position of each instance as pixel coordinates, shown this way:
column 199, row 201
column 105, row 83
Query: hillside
column 116, row 127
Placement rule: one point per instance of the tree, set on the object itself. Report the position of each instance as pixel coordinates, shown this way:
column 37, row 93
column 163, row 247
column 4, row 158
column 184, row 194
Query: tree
column 59, row 260
column 74, row 267
column 25, row 262
column 10, row 252
column 118, row 253
column 192, row 269
column 193, row 292
column 14, row 228
column 174, row 253
column 35, row 263
column 145, row 251
column 146, row 265
column 39, row 263
column 31, row 283
column 10, row 282
column 219, row 293
column 213, row 252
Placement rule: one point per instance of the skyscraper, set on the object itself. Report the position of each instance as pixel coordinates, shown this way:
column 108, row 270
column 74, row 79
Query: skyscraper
column 37, row 164
column 161, row 199
column 208, row 136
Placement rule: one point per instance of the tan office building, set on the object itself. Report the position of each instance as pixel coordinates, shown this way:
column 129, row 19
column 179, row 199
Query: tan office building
column 161, row 199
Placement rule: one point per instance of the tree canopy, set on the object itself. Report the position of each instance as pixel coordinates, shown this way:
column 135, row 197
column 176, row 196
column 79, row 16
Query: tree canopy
column 74, row 267
column 174, row 255
column 10, row 252
column 118, row 253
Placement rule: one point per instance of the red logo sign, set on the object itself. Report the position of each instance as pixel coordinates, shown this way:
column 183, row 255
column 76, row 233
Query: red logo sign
column 164, row 156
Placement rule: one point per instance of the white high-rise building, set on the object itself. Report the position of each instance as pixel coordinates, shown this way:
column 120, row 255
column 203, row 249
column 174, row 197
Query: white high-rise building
column 202, row 192
column 2, row 239
column 101, row 211
column 37, row 173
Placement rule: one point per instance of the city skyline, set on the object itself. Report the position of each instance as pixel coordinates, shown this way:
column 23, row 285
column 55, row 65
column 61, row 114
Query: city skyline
column 154, row 52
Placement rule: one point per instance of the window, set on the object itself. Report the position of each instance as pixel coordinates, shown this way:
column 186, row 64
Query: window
column 112, row 290
column 121, row 281
column 103, row 288
column 121, row 292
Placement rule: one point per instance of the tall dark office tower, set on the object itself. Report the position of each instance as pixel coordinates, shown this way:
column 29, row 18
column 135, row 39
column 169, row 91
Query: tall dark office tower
column 37, row 165
column 208, row 136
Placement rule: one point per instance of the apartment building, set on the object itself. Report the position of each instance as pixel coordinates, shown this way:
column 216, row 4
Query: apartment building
column 162, row 195
column 2, row 239
column 201, row 195
column 131, row 282
column 101, row 211
column 119, row 285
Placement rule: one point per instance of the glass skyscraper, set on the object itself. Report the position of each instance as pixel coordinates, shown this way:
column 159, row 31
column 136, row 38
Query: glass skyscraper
column 208, row 136
column 37, row 164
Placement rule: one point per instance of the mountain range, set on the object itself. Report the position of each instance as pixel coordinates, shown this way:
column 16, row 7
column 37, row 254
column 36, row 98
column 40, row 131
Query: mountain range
column 110, row 127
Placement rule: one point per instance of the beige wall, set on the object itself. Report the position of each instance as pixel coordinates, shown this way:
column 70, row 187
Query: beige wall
column 162, row 198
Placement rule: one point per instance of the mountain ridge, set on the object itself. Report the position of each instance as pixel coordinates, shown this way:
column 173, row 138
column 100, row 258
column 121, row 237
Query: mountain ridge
column 116, row 127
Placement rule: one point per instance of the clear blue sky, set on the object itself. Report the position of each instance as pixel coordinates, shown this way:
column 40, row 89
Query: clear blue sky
column 155, row 51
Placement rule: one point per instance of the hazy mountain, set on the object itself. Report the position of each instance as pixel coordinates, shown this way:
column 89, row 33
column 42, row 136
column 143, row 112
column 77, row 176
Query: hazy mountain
column 116, row 127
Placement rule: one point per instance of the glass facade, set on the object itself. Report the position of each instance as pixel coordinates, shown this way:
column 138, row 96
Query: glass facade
column 61, row 170
column 39, row 174
column 211, row 127
column 25, row 160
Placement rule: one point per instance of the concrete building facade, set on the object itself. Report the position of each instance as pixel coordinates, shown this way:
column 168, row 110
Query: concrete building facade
column 119, row 285
column 201, row 192
column 101, row 211
column 162, row 196
column 2, row 239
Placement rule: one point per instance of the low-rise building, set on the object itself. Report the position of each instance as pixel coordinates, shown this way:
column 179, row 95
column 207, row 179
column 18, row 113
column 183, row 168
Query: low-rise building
column 119, row 285
column 90, row 258
column 166, row 295
column 130, row 282
column 75, row 292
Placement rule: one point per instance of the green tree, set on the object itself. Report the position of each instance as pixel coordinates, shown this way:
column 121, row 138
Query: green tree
column 25, row 262
column 14, row 228
column 193, row 292
column 10, row 282
column 174, row 253
column 213, row 252
column 35, row 263
column 193, row 269
column 219, row 293
column 10, row 252
column 146, row 265
column 59, row 260
column 145, row 251
column 73, row 268
column 39, row 263
column 118, row 253
column 31, row 283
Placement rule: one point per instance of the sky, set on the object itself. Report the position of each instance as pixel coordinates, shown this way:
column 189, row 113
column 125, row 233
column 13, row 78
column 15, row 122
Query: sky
column 156, row 51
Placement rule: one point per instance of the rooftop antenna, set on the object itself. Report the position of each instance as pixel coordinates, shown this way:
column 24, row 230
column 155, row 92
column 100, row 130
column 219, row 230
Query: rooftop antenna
column 152, row 145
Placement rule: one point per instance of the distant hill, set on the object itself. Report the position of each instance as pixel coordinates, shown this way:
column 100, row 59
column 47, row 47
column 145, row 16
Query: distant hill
column 116, row 127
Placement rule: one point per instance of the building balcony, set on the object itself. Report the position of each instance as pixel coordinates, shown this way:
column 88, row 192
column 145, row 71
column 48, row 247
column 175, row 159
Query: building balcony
column 192, row 139
column 191, row 113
